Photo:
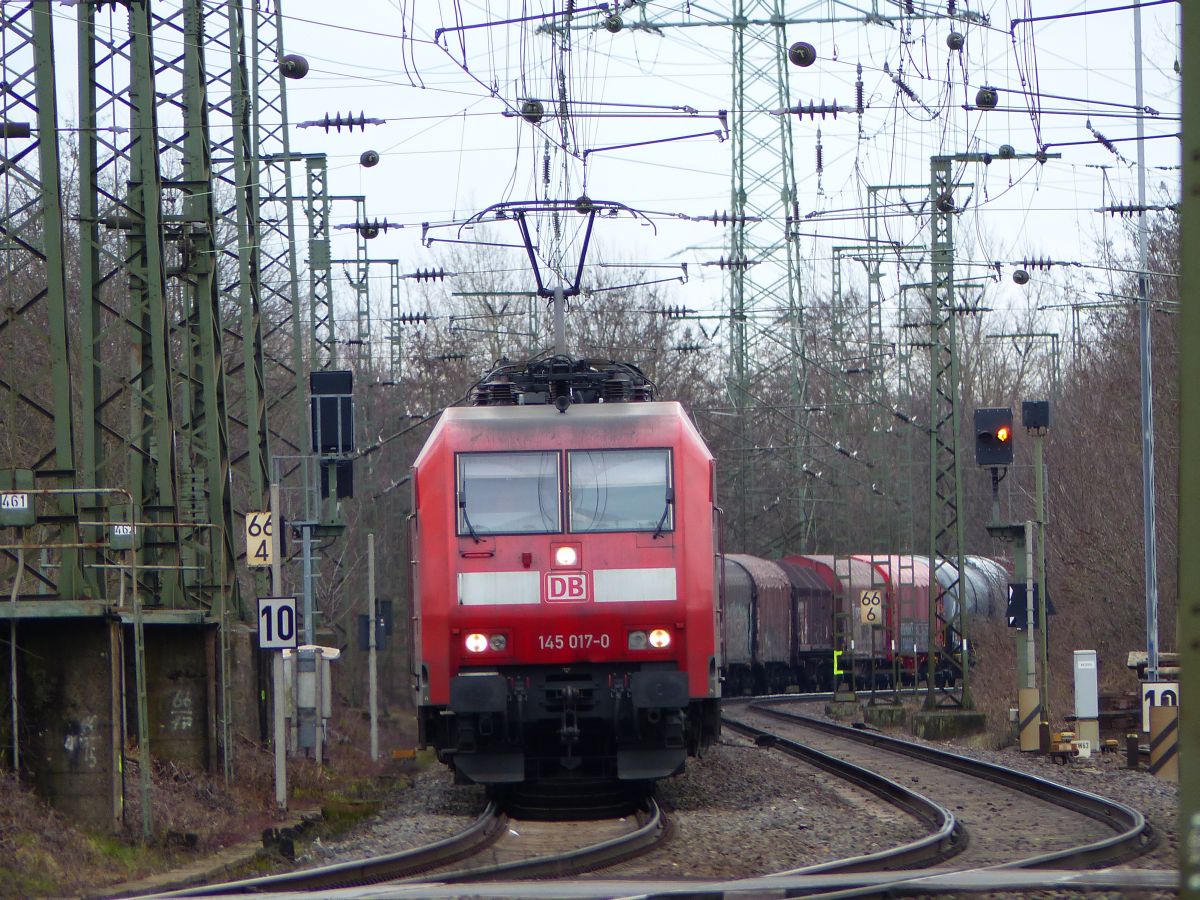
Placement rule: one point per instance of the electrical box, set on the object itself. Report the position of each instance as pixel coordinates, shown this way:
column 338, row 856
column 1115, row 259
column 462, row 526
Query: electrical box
column 1087, row 685
column 332, row 412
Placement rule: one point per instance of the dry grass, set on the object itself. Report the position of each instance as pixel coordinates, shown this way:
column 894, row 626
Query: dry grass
column 43, row 854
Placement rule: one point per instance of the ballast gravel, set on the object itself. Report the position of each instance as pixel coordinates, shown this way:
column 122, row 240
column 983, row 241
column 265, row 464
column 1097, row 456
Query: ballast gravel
column 738, row 811
column 742, row 810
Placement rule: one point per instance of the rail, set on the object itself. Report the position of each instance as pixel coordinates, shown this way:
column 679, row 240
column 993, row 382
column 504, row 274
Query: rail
column 945, row 840
column 1133, row 837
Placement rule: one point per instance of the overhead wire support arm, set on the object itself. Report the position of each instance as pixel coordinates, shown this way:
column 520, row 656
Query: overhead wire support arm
column 537, row 17
column 720, row 135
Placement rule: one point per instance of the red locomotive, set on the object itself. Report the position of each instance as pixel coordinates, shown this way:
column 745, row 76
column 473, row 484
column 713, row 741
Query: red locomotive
column 564, row 579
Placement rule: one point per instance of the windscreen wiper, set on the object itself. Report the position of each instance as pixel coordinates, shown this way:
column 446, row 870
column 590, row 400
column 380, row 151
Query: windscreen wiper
column 663, row 519
column 462, row 504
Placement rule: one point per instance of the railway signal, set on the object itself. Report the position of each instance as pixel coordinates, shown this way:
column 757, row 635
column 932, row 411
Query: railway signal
column 993, row 436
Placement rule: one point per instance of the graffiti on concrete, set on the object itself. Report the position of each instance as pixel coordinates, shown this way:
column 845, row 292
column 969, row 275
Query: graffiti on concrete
column 82, row 742
column 182, row 716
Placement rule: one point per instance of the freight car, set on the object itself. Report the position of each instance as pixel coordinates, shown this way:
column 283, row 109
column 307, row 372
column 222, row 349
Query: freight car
column 824, row 631
column 565, row 562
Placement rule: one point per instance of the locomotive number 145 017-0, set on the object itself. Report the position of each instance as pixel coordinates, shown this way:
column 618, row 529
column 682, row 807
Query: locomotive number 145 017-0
column 573, row 641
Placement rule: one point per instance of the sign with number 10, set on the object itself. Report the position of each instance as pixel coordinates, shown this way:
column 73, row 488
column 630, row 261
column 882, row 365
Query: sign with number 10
column 277, row 623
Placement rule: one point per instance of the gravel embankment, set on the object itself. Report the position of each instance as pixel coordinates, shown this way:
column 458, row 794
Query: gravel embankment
column 738, row 811
column 431, row 809
column 742, row 811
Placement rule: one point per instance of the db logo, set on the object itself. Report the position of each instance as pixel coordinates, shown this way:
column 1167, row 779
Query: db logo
column 566, row 588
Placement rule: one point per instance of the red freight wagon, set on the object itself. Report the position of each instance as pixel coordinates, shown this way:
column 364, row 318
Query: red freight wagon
column 764, row 590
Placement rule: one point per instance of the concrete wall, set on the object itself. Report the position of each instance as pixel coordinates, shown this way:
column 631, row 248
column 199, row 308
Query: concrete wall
column 69, row 678
column 180, row 674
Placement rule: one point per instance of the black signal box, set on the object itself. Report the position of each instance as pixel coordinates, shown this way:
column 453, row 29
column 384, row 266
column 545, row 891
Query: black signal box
column 1035, row 414
column 994, row 436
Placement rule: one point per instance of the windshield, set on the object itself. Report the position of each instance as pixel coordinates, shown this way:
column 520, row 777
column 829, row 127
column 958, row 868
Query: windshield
column 508, row 493
column 620, row 490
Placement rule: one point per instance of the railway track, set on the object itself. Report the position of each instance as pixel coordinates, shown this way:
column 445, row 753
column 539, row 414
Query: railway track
column 1003, row 814
column 496, row 846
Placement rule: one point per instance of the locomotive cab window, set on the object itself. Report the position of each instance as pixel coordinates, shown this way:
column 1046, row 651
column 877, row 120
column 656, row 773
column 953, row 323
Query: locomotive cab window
column 621, row 490
column 508, row 493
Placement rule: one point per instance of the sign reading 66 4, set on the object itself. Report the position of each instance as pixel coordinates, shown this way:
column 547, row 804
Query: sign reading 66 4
column 260, row 549
column 870, row 607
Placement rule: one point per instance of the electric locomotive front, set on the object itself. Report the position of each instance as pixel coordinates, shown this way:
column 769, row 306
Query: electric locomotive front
column 564, row 582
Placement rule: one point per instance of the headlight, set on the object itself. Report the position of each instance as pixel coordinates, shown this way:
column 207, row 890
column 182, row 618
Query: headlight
column 498, row 642
column 660, row 638
column 477, row 643
column 565, row 557
column 637, row 640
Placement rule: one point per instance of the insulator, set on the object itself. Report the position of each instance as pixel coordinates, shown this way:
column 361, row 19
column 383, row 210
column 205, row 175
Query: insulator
column 909, row 7
column 615, row 389
column 293, row 66
column 430, row 275
column 812, row 110
column 688, row 348
column 987, row 97
column 802, row 54
column 675, row 312
column 502, row 394
column 450, row 357
column 951, row 7
column 641, row 393
column 14, row 130
column 532, row 111
column 350, row 122
column 369, row 159
column 904, row 88
column 820, row 154
column 858, row 92
column 546, row 166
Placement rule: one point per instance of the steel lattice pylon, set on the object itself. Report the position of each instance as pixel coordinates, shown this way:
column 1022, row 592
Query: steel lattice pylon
column 765, row 278
column 33, row 290
column 278, row 269
column 945, row 469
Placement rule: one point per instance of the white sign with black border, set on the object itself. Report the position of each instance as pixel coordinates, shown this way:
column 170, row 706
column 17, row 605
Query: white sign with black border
column 1157, row 693
column 277, row 625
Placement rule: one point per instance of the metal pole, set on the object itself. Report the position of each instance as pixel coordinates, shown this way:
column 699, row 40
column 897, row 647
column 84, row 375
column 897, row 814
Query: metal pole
column 139, row 674
column 1040, row 511
column 12, row 663
column 1030, row 676
column 306, row 543
column 1189, row 473
column 279, row 709
column 372, row 650
column 1147, row 372
column 560, row 324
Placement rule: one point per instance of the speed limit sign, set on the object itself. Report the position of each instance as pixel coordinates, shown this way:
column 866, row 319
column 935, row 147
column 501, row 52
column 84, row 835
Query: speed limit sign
column 277, row 623
column 870, row 607
column 260, row 548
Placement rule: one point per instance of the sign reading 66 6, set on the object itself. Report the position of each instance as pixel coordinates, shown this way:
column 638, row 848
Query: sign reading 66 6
column 870, row 607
